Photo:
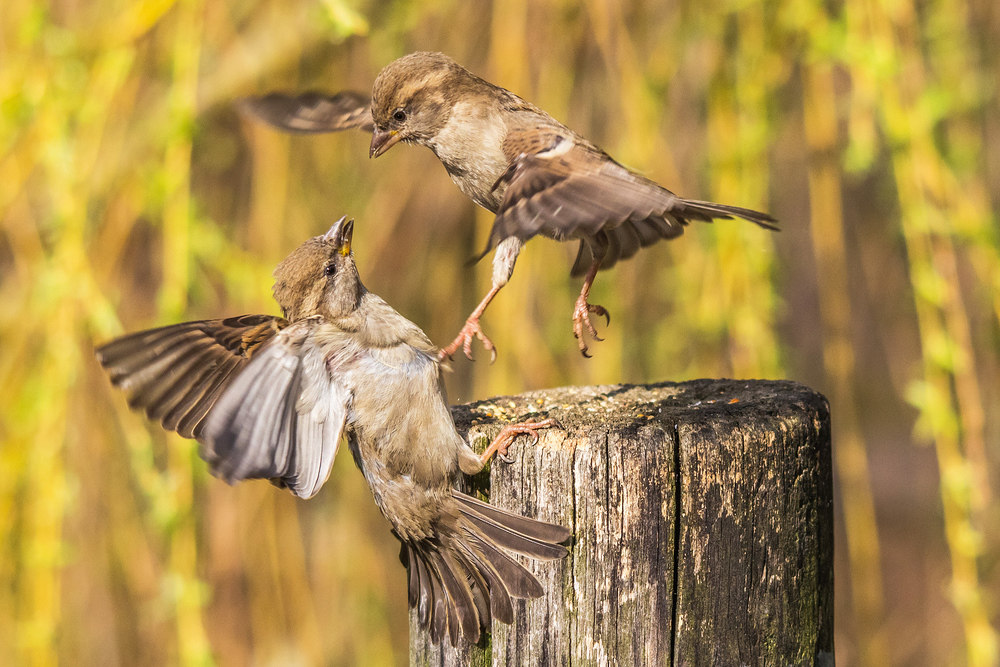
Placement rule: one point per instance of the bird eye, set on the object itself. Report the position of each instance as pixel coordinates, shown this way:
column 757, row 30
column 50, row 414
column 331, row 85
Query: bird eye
column 399, row 115
column 329, row 269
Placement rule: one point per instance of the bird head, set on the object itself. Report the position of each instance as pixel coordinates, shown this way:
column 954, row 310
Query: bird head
column 413, row 98
column 319, row 277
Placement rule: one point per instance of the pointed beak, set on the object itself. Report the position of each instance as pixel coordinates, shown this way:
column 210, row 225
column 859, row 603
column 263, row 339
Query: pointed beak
column 341, row 234
column 345, row 238
column 383, row 140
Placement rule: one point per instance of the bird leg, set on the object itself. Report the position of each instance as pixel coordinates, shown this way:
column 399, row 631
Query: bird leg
column 471, row 330
column 509, row 434
column 583, row 309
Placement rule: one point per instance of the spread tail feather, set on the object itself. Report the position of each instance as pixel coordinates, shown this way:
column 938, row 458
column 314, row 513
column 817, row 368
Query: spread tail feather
column 706, row 210
column 460, row 580
column 532, row 529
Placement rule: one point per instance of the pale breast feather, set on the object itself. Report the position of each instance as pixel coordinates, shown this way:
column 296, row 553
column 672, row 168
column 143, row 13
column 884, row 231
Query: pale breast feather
column 470, row 146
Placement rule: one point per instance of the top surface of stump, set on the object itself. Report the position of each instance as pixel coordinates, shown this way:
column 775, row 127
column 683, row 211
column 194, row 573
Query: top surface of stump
column 624, row 405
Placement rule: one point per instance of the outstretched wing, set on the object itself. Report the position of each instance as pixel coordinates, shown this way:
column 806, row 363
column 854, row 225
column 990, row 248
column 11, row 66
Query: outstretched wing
column 177, row 373
column 282, row 418
column 560, row 187
column 312, row 112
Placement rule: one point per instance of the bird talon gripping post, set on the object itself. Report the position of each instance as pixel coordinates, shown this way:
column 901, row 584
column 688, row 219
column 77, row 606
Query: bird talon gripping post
column 510, row 157
column 271, row 397
column 509, row 433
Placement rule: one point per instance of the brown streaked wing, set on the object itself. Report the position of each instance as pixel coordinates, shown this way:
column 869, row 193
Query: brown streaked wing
column 176, row 373
column 621, row 239
column 282, row 417
column 566, row 190
column 311, row 112
column 560, row 187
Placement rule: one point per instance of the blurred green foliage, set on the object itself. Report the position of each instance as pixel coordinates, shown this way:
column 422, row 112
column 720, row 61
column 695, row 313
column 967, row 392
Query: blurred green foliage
column 132, row 195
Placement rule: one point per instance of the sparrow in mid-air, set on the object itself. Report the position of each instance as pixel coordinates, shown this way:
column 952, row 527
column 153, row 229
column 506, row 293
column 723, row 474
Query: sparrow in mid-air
column 270, row 397
column 511, row 158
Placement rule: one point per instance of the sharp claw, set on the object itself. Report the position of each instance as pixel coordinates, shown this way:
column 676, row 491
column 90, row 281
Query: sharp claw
column 463, row 341
column 581, row 318
column 509, row 434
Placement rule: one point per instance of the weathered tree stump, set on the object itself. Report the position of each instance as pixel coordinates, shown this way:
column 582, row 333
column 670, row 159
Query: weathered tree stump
column 702, row 515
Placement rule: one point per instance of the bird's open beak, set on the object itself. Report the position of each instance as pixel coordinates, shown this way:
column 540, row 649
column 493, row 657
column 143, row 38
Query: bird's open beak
column 341, row 234
column 383, row 140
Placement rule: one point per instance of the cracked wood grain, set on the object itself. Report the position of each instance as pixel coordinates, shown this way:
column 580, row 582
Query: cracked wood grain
column 703, row 526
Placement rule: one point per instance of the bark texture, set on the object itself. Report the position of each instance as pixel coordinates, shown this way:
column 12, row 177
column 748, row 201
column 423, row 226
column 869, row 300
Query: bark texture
column 702, row 515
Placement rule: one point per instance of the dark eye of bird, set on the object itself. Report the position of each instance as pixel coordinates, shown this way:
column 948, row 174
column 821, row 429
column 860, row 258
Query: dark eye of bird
column 329, row 269
column 399, row 115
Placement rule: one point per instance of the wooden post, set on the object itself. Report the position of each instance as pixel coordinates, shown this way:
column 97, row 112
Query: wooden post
column 703, row 526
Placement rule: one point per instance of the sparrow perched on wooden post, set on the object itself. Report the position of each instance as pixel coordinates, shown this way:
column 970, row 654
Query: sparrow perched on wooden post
column 270, row 397
column 513, row 159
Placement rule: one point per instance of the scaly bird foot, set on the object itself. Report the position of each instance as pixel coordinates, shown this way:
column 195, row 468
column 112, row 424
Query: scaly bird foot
column 581, row 317
column 464, row 340
column 509, row 434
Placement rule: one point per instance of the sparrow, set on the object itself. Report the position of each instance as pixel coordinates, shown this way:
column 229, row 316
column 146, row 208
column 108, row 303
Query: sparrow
column 271, row 397
column 513, row 159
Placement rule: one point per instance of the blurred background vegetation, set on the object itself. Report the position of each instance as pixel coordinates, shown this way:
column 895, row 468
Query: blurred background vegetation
column 132, row 195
